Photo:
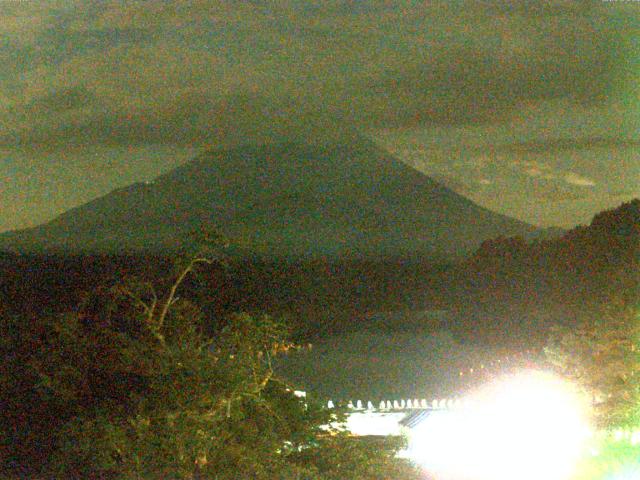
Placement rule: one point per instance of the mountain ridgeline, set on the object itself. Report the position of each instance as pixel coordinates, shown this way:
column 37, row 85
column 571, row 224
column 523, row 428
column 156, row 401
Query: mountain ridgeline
column 513, row 288
column 334, row 200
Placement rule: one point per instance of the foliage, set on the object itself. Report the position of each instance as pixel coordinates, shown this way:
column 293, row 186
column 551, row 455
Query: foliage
column 339, row 457
column 604, row 357
column 133, row 385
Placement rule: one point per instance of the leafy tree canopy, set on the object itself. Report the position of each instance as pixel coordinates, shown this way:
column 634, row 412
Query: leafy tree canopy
column 133, row 385
column 603, row 356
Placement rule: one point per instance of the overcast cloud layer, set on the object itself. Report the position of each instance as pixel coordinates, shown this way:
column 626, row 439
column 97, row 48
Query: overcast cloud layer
column 530, row 107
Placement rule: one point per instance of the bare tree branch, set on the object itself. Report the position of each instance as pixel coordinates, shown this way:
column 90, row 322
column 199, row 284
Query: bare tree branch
column 136, row 299
column 172, row 292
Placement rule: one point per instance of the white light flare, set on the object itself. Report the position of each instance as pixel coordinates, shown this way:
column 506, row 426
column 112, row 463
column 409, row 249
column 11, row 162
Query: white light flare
column 528, row 426
column 628, row 473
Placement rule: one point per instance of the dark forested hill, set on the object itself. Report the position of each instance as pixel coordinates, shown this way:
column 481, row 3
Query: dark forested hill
column 509, row 285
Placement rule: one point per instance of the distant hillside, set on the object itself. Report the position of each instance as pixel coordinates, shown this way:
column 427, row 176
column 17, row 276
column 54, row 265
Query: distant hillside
column 510, row 286
column 340, row 199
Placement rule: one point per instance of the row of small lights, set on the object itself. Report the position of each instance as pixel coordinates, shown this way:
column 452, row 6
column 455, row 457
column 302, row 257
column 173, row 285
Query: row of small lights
column 434, row 404
column 402, row 404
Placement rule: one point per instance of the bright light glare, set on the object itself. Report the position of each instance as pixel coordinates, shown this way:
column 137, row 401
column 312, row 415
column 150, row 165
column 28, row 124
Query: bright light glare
column 631, row 473
column 529, row 426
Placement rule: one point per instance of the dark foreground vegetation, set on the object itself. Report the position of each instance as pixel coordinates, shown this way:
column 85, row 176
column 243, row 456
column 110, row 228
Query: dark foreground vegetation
column 108, row 371
column 137, row 381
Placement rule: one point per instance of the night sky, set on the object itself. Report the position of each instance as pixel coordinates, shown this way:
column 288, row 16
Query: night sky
column 530, row 108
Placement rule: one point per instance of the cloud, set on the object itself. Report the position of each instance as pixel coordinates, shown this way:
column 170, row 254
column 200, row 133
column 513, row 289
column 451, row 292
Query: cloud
column 459, row 89
column 575, row 179
column 545, row 182
column 558, row 145
column 512, row 162
column 72, row 98
column 139, row 72
column 534, row 169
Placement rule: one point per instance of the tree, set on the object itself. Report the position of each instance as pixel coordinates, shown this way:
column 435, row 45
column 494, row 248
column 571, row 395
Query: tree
column 25, row 419
column 140, row 389
column 603, row 357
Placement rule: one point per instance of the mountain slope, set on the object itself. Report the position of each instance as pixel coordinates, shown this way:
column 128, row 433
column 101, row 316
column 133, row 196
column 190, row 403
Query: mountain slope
column 335, row 199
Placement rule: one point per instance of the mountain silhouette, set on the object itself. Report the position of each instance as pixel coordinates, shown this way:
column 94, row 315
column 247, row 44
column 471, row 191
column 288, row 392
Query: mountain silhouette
column 334, row 199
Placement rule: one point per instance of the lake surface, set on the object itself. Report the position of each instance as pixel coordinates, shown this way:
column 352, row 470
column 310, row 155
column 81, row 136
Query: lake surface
column 374, row 365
